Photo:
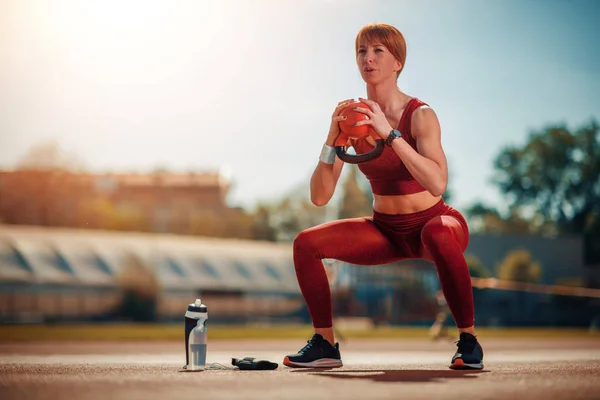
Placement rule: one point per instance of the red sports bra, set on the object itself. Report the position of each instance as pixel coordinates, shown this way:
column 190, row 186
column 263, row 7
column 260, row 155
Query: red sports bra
column 387, row 173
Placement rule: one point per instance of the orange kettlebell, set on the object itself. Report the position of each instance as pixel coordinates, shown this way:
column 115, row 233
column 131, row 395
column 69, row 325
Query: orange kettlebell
column 348, row 130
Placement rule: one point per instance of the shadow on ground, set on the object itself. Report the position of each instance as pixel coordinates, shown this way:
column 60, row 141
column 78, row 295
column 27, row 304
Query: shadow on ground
column 394, row 375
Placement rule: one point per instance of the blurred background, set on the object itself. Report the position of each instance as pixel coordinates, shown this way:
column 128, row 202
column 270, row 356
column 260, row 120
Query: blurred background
column 153, row 152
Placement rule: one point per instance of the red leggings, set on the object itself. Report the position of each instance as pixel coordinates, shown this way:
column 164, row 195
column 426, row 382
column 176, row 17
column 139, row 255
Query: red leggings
column 438, row 234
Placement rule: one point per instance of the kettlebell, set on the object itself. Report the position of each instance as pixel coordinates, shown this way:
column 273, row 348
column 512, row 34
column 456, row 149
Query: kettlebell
column 348, row 130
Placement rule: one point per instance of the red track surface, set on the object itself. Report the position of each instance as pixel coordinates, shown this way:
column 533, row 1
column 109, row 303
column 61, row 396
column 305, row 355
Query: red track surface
column 374, row 369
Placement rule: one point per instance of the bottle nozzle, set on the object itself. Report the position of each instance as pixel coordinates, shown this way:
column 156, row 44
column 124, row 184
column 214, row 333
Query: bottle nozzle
column 198, row 303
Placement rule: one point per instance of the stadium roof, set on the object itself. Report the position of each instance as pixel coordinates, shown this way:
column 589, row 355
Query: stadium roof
column 96, row 258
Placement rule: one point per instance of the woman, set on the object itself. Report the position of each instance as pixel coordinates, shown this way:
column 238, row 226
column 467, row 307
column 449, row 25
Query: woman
column 410, row 219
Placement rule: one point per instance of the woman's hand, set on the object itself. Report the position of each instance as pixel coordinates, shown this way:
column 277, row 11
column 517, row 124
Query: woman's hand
column 334, row 129
column 377, row 119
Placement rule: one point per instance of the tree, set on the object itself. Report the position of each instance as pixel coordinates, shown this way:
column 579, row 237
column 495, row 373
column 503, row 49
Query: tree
column 261, row 227
column 355, row 202
column 476, row 267
column 284, row 219
column 518, row 266
column 477, row 270
column 551, row 185
column 140, row 290
column 447, row 196
column 557, row 173
column 101, row 213
column 483, row 218
column 448, row 193
column 49, row 156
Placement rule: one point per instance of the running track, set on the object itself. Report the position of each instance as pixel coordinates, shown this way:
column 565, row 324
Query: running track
column 374, row 369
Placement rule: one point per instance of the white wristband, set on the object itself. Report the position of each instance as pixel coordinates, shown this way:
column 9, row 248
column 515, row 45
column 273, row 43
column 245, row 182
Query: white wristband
column 327, row 154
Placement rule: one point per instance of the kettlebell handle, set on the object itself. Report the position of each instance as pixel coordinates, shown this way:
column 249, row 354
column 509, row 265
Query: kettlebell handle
column 360, row 158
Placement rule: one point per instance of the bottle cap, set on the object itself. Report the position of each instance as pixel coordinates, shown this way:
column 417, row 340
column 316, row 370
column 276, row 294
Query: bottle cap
column 197, row 306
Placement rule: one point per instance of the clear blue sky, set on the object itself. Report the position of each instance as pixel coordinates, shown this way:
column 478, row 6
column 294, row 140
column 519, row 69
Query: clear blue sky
column 250, row 85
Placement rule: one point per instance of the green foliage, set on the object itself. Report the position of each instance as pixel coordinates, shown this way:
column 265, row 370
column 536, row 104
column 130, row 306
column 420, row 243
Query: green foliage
column 49, row 156
column 355, row 202
column 551, row 185
column 557, row 173
column 476, row 267
column 261, row 227
column 103, row 214
column 483, row 218
column 448, row 193
column 283, row 220
column 518, row 266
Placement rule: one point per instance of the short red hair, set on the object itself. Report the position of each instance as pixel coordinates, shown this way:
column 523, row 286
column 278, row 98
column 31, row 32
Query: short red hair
column 387, row 35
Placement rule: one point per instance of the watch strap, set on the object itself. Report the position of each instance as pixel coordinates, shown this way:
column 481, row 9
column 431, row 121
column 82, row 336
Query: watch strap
column 394, row 134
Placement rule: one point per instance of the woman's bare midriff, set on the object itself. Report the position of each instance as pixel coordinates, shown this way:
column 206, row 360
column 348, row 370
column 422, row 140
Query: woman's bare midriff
column 404, row 204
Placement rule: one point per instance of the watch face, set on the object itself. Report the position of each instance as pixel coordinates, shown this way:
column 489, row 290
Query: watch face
column 394, row 134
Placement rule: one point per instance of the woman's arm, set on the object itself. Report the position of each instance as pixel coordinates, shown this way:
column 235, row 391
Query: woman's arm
column 324, row 180
column 428, row 163
column 325, row 177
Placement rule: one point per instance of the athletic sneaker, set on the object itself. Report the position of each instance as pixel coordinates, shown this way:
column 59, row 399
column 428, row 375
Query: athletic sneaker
column 318, row 353
column 469, row 354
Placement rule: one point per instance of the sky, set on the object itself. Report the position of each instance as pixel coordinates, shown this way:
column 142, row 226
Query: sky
column 248, row 86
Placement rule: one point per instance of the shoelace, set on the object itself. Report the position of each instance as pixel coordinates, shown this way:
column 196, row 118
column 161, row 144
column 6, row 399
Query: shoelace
column 308, row 346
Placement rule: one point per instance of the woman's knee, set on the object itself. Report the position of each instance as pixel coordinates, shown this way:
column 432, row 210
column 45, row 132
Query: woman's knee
column 435, row 232
column 301, row 239
column 444, row 230
column 305, row 241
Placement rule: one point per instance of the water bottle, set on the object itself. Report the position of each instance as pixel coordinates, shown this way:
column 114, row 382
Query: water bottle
column 195, row 336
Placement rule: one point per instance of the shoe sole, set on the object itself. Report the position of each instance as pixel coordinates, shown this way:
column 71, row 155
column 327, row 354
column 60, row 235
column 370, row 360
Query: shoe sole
column 460, row 364
column 320, row 363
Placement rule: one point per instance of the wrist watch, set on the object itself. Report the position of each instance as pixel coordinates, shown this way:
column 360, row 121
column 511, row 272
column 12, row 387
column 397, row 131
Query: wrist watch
column 394, row 134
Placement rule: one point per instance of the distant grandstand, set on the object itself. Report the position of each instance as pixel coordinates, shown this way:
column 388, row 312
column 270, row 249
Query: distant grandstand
column 67, row 274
